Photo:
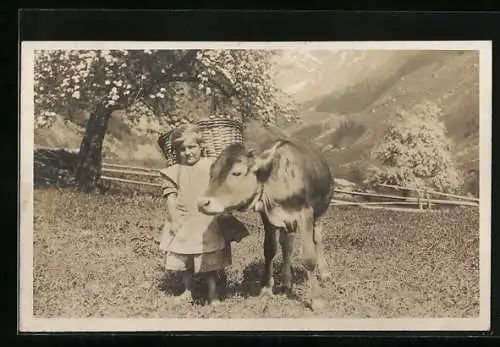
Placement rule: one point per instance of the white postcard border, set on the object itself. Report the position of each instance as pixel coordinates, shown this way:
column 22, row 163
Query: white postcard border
column 28, row 323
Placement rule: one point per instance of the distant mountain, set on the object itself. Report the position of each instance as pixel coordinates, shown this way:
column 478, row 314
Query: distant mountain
column 308, row 75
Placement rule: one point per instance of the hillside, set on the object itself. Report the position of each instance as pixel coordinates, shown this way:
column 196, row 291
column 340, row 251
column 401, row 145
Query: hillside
column 123, row 143
column 450, row 79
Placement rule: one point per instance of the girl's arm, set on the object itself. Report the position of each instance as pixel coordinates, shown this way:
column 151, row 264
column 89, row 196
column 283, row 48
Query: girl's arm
column 169, row 190
column 172, row 211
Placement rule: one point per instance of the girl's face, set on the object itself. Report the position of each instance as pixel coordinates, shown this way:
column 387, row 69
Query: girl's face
column 189, row 152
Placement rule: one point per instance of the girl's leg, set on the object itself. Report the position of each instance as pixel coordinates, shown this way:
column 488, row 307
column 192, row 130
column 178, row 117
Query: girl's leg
column 213, row 298
column 187, row 281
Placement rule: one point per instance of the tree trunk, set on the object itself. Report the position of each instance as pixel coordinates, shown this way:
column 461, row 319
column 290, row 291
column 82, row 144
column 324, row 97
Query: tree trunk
column 88, row 169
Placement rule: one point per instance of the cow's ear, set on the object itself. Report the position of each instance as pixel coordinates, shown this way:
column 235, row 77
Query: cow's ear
column 264, row 160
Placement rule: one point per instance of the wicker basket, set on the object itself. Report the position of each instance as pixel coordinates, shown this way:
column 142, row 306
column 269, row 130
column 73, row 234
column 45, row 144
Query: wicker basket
column 217, row 134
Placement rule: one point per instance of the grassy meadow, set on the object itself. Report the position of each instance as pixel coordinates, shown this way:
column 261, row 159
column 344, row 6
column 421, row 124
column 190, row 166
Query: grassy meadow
column 97, row 256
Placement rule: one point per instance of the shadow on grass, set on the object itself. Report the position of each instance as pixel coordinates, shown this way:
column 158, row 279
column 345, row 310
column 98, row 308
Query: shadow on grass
column 250, row 285
column 171, row 283
column 228, row 286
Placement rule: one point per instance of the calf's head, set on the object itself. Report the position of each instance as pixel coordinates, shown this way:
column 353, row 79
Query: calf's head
column 235, row 179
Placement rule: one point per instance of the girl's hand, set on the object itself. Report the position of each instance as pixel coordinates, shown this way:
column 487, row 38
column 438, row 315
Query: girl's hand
column 174, row 226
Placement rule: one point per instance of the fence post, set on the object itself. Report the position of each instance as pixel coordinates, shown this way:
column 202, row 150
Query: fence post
column 419, row 200
column 427, row 196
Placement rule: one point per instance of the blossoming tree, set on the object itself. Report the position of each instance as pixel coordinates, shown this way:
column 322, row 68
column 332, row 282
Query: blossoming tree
column 416, row 152
column 103, row 81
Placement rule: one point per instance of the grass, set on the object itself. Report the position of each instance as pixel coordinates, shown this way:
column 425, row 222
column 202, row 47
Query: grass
column 96, row 256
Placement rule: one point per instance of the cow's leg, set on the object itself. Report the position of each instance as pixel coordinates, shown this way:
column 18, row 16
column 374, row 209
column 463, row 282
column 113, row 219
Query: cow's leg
column 287, row 241
column 309, row 258
column 324, row 271
column 270, row 248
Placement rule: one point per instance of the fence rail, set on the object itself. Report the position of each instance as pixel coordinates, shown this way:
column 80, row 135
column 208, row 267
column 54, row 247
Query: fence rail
column 128, row 167
column 336, row 202
column 430, row 191
column 397, row 200
column 384, row 196
column 116, row 179
column 405, row 200
column 131, row 172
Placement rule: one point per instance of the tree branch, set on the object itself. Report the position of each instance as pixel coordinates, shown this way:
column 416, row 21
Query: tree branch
column 171, row 72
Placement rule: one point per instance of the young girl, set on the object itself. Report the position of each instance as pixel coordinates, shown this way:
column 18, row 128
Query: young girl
column 194, row 242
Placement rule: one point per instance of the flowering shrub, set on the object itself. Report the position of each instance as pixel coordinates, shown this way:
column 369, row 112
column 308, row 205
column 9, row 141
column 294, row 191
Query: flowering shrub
column 416, row 152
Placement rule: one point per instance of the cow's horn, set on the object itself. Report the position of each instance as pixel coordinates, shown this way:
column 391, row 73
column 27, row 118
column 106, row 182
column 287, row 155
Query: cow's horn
column 265, row 159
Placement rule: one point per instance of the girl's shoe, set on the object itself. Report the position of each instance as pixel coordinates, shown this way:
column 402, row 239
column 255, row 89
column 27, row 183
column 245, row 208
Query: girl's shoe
column 185, row 297
column 214, row 303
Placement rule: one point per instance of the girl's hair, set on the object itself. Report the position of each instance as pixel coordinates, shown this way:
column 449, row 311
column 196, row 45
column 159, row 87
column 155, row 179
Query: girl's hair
column 184, row 132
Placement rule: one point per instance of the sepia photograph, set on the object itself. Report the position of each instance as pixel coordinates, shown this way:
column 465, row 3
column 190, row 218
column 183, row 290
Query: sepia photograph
column 237, row 186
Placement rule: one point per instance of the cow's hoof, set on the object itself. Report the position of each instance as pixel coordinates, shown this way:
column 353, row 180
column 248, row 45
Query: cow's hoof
column 266, row 291
column 325, row 276
column 317, row 304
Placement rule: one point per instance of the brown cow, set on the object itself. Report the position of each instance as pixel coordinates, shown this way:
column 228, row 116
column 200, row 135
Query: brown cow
column 291, row 186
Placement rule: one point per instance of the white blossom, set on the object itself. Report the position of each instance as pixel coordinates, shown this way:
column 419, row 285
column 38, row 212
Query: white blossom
column 415, row 151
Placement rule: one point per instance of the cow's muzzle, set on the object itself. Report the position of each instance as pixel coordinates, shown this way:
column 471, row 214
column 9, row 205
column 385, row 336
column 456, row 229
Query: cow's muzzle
column 210, row 205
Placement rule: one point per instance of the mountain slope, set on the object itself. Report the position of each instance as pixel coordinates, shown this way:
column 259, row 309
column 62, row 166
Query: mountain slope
column 449, row 79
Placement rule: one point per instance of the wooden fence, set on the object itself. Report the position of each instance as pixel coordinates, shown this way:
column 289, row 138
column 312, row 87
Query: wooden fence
column 425, row 198
column 422, row 201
